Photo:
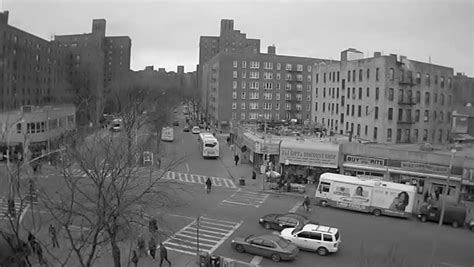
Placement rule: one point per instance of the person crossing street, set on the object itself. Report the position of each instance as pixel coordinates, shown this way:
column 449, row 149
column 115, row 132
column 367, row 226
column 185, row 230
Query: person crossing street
column 208, row 185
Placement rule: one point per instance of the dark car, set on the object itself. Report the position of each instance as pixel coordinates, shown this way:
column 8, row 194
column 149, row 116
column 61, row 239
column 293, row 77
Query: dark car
column 270, row 246
column 186, row 128
column 453, row 214
column 176, row 123
column 281, row 221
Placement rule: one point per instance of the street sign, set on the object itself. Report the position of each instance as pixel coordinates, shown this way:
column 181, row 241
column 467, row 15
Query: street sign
column 147, row 157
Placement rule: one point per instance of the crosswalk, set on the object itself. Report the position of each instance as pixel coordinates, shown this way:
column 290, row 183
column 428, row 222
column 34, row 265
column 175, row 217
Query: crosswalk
column 246, row 198
column 20, row 207
column 212, row 233
column 170, row 175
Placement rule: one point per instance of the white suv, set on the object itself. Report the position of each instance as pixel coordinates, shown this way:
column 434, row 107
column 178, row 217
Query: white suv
column 319, row 238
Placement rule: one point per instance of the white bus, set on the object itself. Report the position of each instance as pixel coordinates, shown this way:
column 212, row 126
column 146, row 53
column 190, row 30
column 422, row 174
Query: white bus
column 365, row 195
column 208, row 145
column 116, row 125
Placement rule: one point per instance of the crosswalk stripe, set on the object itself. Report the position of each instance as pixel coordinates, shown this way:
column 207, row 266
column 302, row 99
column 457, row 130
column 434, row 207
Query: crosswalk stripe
column 201, row 179
column 216, row 181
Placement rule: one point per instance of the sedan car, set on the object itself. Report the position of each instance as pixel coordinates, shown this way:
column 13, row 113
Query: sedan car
column 270, row 246
column 186, row 128
column 196, row 130
column 176, row 123
column 281, row 221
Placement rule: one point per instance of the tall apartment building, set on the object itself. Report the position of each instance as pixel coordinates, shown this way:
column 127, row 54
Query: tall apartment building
column 31, row 68
column 384, row 99
column 247, row 87
column 95, row 62
column 229, row 40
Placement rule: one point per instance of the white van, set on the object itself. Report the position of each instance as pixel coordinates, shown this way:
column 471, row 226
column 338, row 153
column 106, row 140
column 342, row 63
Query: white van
column 167, row 134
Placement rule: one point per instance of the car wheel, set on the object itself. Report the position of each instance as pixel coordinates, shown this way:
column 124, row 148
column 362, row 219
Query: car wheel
column 276, row 258
column 472, row 228
column 239, row 248
column 377, row 212
column 267, row 226
column 423, row 218
column 322, row 251
column 324, row 203
column 455, row 224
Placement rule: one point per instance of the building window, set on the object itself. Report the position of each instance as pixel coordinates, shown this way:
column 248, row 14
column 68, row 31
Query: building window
column 268, row 65
column 399, row 135
column 244, row 84
column 244, row 65
column 435, row 100
column 253, row 95
column 368, row 74
column 299, row 67
column 427, row 116
column 234, row 74
column 254, row 75
column 234, row 116
column 377, row 70
column 353, row 75
column 427, row 79
column 308, row 78
column 234, row 105
column 415, row 135
column 450, row 83
column 360, row 92
column 391, row 74
column 244, row 74
column 278, row 66
column 324, row 107
column 427, row 98
column 308, row 68
column 348, row 93
column 375, row 133
column 389, row 135
column 338, row 76
column 418, row 97
column 390, row 114
column 277, row 96
column 234, row 85
column 316, row 106
column 288, row 66
column 359, row 111
column 277, row 86
column 417, row 115
column 254, row 64
column 418, row 78
column 425, row 135
column 242, row 116
column 243, row 95
column 390, row 94
column 400, row 95
column 234, row 95
column 278, row 76
column 353, row 93
column 324, row 77
column 442, row 99
column 352, row 110
column 317, row 77
column 368, row 94
column 360, row 75
column 442, row 81
column 348, row 75
column 254, row 85
column 376, row 93
column 376, row 113
column 234, row 64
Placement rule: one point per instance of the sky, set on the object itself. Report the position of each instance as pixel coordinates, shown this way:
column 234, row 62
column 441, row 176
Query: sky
column 166, row 33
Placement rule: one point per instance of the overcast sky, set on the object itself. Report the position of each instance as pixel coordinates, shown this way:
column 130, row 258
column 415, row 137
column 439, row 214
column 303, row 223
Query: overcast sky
column 166, row 33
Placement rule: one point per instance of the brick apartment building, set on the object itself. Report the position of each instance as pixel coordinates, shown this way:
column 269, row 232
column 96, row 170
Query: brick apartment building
column 94, row 62
column 385, row 99
column 32, row 70
column 250, row 87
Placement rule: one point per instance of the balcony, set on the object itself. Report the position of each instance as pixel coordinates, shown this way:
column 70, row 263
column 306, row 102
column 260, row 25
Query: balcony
column 406, row 122
column 407, row 101
column 407, row 82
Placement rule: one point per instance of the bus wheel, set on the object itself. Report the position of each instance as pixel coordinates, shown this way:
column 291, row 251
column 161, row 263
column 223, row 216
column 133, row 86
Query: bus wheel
column 377, row 212
column 324, row 203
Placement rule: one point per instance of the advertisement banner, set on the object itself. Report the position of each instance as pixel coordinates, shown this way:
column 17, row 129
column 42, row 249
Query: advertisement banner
column 393, row 201
column 352, row 196
column 325, row 155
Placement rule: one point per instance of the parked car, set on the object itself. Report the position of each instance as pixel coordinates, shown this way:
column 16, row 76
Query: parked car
column 175, row 123
column 453, row 214
column 281, row 221
column 196, row 130
column 314, row 237
column 186, row 128
column 270, row 246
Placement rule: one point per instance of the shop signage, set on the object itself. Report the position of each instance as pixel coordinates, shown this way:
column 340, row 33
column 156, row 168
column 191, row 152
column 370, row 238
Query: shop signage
column 308, row 157
column 365, row 160
column 468, row 174
column 424, row 167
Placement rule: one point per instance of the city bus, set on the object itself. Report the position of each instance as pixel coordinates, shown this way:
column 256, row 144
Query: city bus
column 208, row 145
column 116, row 125
column 365, row 195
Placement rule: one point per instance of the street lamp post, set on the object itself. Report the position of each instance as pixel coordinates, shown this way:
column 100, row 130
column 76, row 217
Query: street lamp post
column 443, row 208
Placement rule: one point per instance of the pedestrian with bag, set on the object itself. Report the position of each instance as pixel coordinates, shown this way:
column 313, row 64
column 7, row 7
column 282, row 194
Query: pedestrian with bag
column 163, row 254
column 208, row 185
column 152, row 247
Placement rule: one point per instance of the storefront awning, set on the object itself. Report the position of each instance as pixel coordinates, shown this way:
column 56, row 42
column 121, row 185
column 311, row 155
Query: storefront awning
column 309, row 153
column 364, row 167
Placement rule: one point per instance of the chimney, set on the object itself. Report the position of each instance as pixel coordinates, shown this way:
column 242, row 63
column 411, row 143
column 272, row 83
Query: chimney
column 271, row 50
column 377, row 54
column 4, row 17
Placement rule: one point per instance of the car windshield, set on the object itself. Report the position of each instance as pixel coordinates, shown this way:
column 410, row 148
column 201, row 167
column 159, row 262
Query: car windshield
column 283, row 243
column 213, row 144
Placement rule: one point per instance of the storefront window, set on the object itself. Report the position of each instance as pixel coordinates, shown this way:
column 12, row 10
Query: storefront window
column 438, row 190
column 468, row 193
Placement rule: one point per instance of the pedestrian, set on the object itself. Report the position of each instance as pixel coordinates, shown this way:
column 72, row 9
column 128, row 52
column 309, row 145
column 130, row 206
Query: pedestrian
column 134, row 258
column 32, row 241
column 53, row 235
column 163, row 254
column 152, row 247
column 153, row 226
column 141, row 246
column 236, row 159
column 39, row 253
column 208, row 185
column 254, row 175
column 228, row 140
column 306, row 203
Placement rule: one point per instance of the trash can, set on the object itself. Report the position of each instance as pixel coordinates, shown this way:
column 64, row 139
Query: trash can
column 215, row 261
column 242, row 181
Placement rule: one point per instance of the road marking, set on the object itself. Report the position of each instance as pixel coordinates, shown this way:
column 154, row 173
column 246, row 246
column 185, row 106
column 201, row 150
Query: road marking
column 296, row 207
column 246, row 198
column 187, row 167
column 24, row 212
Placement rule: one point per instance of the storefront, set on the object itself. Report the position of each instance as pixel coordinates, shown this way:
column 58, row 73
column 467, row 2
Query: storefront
column 365, row 167
column 305, row 160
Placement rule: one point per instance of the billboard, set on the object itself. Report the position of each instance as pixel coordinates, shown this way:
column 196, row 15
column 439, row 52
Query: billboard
column 393, row 201
column 352, row 196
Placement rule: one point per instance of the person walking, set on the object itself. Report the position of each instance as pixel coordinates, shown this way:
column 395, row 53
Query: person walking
column 141, row 246
column 254, row 175
column 53, row 235
column 306, row 203
column 135, row 258
column 152, row 247
column 163, row 254
column 208, row 185
column 153, row 226
column 236, row 159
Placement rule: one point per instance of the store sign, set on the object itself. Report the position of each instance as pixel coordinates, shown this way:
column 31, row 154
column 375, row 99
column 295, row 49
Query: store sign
column 365, row 160
column 422, row 167
column 315, row 158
